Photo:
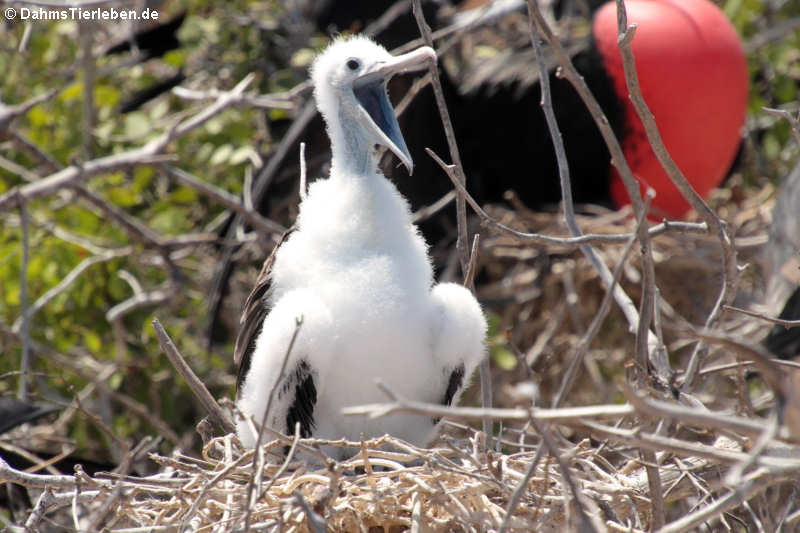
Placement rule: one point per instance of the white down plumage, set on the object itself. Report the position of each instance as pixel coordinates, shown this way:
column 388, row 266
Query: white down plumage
column 357, row 271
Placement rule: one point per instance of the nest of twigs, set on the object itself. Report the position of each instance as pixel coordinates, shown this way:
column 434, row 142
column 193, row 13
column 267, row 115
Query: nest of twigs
column 620, row 461
column 459, row 486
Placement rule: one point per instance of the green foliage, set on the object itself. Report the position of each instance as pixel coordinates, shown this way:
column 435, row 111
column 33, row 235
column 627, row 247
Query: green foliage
column 217, row 46
column 496, row 341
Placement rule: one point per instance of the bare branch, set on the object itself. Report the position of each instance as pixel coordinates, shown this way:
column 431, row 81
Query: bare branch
column 10, row 112
column 264, row 225
column 693, row 416
column 788, row 324
column 64, row 284
column 25, row 329
column 571, row 242
column 730, row 272
column 751, row 485
column 315, row 522
column 199, row 390
column 597, row 321
column 303, row 189
column 259, row 101
column 142, row 299
column 564, row 415
column 11, row 475
column 427, row 211
column 461, row 210
column 547, row 441
column 150, row 153
column 794, row 122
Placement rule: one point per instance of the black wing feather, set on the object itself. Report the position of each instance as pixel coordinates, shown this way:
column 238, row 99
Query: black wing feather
column 256, row 309
column 305, row 398
column 455, row 382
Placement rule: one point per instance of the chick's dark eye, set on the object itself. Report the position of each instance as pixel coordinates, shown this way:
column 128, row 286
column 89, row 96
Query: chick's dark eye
column 353, row 64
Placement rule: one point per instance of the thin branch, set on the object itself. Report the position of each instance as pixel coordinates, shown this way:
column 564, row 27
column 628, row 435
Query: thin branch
column 12, row 475
column 693, row 416
column 303, row 190
column 25, row 363
column 601, row 121
column 788, row 324
column 200, row 391
column 594, row 328
column 10, row 112
column 258, row 101
column 522, row 486
column 153, row 297
column 472, row 266
column 794, row 122
column 655, row 488
column 730, row 272
column 264, row 225
column 27, row 146
column 50, row 501
column 753, row 484
column 657, row 443
column 247, row 189
column 770, row 431
column 571, row 242
column 134, row 227
column 461, row 209
column 564, row 415
column 150, row 153
column 427, row 211
column 315, row 522
column 646, row 341
column 65, row 283
column 764, row 361
column 547, row 441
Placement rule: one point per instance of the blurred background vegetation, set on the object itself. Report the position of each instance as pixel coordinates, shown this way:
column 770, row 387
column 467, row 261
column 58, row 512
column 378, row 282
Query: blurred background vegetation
column 114, row 366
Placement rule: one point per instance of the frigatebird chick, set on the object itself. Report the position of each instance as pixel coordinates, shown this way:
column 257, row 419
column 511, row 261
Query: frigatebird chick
column 357, row 271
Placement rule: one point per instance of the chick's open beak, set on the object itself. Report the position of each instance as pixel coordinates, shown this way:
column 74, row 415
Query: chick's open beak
column 370, row 91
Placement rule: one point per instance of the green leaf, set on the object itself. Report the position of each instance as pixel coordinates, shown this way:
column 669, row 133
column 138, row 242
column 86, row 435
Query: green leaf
column 12, row 296
column 123, row 196
column 175, row 220
column 242, row 155
column 104, row 131
column 503, row 358
column 160, row 109
column 106, row 96
column 214, row 126
column 184, row 195
column 175, row 58
column 38, row 117
column 115, row 381
column 142, row 177
column 72, row 92
column 137, row 125
column 302, row 58
column 221, row 155
column 93, row 341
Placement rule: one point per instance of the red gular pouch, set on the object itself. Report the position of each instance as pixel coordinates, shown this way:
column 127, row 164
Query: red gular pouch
column 693, row 76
